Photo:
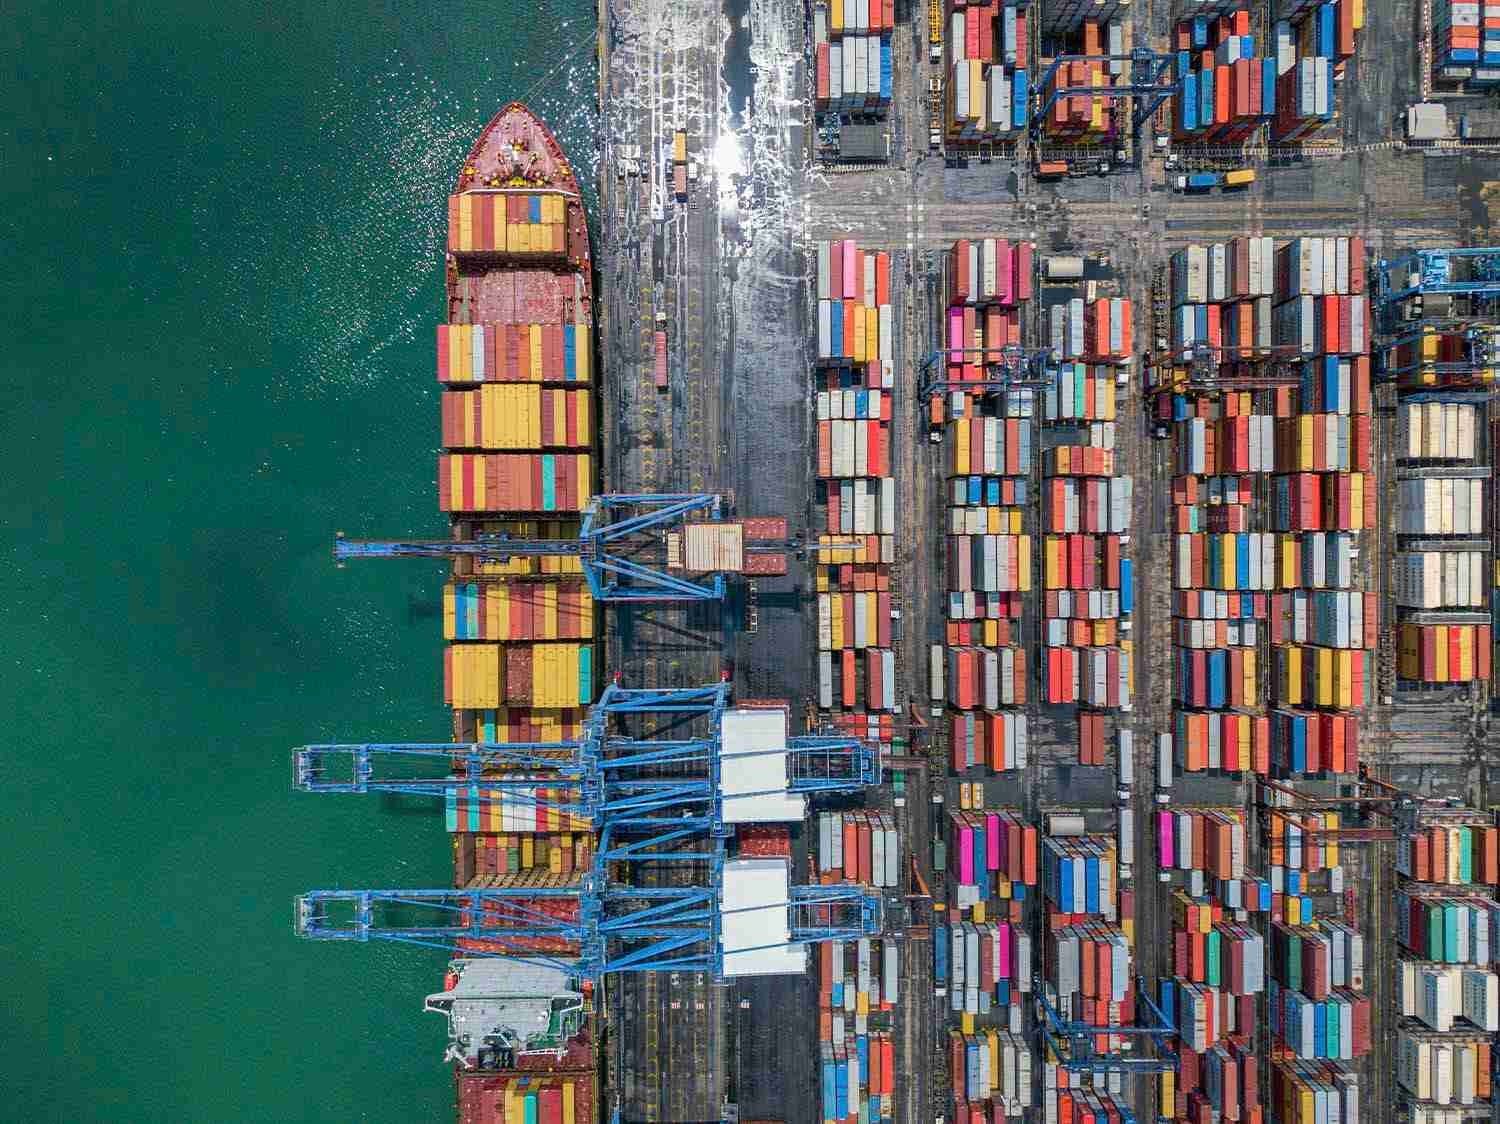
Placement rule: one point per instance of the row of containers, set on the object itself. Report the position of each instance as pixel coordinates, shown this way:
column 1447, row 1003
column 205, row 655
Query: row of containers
column 1448, row 949
column 518, row 425
column 1466, row 41
column 851, row 45
column 987, row 88
column 1228, row 84
column 858, row 988
column 1274, row 643
column 1442, row 573
column 1087, row 578
column 1273, row 663
column 857, row 350
column 984, row 668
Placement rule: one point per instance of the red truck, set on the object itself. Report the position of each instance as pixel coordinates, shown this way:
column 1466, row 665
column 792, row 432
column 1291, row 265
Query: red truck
column 661, row 359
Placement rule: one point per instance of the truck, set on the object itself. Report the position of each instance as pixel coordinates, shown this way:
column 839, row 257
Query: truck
column 660, row 337
column 1198, row 181
column 1239, row 178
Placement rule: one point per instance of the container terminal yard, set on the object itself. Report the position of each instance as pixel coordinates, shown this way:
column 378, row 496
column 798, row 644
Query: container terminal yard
column 971, row 575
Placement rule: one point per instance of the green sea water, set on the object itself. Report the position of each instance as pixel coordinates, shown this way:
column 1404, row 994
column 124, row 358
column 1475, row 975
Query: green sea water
column 223, row 228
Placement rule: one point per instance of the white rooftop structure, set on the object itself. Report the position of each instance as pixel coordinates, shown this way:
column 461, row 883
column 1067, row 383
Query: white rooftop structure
column 753, row 775
column 754, row 930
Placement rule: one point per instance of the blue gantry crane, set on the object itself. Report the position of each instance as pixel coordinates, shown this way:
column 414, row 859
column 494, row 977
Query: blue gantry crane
column 1151, row 91
column 1015, row 368
column 601, row 773
column 1405, row 317
column 654, row 800
column 608, row 524
column 1074, row 1043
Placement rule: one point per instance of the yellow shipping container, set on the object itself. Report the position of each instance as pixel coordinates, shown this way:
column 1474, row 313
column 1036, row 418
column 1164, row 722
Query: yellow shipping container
column 872, row 620
column 961, row 450
column 1290, row 685
column 836, row 617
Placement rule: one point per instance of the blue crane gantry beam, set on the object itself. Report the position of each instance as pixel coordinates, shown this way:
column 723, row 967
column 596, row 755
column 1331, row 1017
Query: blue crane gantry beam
column 1074, row 1042
column 597, row 775
column 612, row 925
column 608, row 521
column 1141, row 60
column 1434, row 273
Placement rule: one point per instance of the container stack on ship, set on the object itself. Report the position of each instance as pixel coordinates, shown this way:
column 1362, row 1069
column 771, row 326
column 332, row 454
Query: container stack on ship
column 515, row 363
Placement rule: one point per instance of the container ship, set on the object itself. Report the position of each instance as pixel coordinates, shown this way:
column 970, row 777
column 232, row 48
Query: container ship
column 515, row 361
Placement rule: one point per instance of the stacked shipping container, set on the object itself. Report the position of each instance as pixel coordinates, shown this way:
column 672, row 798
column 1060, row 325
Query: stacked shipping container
column 987, row 78
column 1226, row 90
column 852, row 55
column 858, row 988
column 1448, row 944
column 857, row 352
column 983, row 671
column 1084, row 118
column 1466, row 41
column 1313, row 39
column 1087, row 579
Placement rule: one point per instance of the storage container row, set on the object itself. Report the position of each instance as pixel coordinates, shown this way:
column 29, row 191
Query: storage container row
column 992, row 969
column 993, row 1067
column 1433, row 357
column 1081, row 392
column 977, row 340
column 1228, row 957
column 511, row 853
column 1078, row 118
column 1440, row 506
column 515, row 352
column 854, row 72
column 859, row 847
column 1223, row 102
column 1207, row 839
column 1099, row 677
column 844, row 17
column 1305, row 99
column 1078, row 875
column 1322, row 678
column 1081, row 562
column 854, row 620
column 521, row 807
column 1063, row 605
column 857, row 977
column 988, row 271
column 986, row 678
column 1299, row 844
column 1205, row 1015
column 1240, row 269
column 1330, row 325
column 1091, row 960
column 1306, row 1092
column 514, row 482
column 1214, row 605
column 1226, row 1084
column 854, row 448
column 1216, row 680
column 493, row 610
column 1443, row 1070
column 538, row 675
column 986, row 101
column 1437, row 431
column 989, row 447
column 1336, row 1028
column 1438, row 995
column 1328, row 618
column 858, row 679
column 864, row 507
column 1449, row 928
column 517, row 223
column 1316, row 960
column 503, row 416
column 997, row 740
column 866, row 549
column 1241, row 330
column 526, row 1098
column 523, row 566
column 518, row 724
column 847, row 273
column 992, row 854
column 1458, row 854
column 848, row 1068
column 1442, row 579
column 1091, row 504
column 1465, row 43
column 987, row 519
column 988, row 30
column 1310, row 742
column 1080, row 633
column 1443, row 653
column 1310, row 501
column 848, row 330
